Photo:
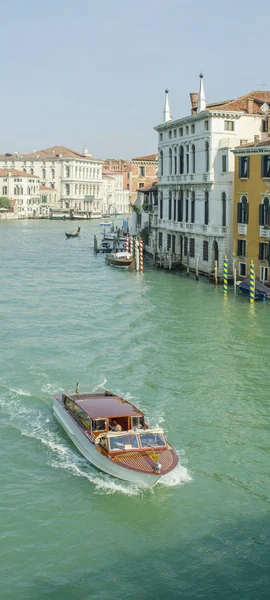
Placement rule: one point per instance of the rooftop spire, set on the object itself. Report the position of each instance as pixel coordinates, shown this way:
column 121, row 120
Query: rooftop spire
column 167, row 112
column 202, row 100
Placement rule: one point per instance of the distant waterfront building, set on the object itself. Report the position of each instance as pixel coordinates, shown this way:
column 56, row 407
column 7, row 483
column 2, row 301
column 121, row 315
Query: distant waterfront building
column 145, row 210
column 24, row 193
column 143, row 173
column 112, row 166
column 115, row 198
column 251, row 230
column 76, row 177
column 195, row 175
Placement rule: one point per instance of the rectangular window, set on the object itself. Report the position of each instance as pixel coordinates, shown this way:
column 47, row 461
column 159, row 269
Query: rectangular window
column 161, row 207
column 170, row 135
column 264, row 253
column 185, row 246
column 193, row 128
column 243, row 167
column 174, row 209
column 265, row 126
column 187, row 210
column 173, row 243
column 192, row 247
column 224, row 163
column 242, row 211
column 241, row 248
column 206, row 125
column 161, row 137
column 170, row 208
column 169, row 241
column 175, row 133
column 141, row 185
column 142, row 171
column 181, row 132
column 242, row 269
column 187, row 129
column 205, row 251
column 180, row 208
column 127, row 186
column 264, row 274
column 160, row 239
column 229, row 125
column 266, row 166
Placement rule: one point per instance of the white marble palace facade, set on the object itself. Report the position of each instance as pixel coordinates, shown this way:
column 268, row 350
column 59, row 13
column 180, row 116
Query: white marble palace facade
column 76, row 178
column 195, row 178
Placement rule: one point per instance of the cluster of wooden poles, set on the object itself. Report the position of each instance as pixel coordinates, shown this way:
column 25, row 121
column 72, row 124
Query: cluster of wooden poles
column 134, row 246
column 251, row 279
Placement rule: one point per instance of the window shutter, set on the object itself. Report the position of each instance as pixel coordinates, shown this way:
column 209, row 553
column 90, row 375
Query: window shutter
column 262, row 166
column 238, row 247
column 261, row 214
column 239, row 167
column 247, row 212
column 239, row 212
column 248, row 166
column 260, row 251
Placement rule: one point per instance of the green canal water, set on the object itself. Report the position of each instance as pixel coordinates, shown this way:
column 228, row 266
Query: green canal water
column 197, row 363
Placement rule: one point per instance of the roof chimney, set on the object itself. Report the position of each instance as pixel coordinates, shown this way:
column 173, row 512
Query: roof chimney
column 256, row 139
column 194, row 99
column 250, row 106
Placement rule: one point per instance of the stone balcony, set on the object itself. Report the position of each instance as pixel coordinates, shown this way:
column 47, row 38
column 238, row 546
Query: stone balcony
column 264, row 232
column 192, row 228
column 187, row 178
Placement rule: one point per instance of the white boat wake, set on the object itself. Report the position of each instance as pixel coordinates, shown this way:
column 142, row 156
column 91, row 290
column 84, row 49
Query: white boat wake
column 38, row 423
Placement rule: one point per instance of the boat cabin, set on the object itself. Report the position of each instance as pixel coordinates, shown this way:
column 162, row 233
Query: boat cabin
column 104, row 412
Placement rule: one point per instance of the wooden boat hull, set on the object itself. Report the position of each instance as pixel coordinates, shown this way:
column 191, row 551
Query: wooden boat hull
column 119, row 261
column 98, row 460
column 72, row 235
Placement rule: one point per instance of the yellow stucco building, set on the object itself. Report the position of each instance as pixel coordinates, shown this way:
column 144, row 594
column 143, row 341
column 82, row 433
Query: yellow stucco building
column 251, row 215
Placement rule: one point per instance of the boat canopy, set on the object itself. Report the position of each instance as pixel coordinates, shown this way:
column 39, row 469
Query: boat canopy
column 105, row 406
column 259, row 287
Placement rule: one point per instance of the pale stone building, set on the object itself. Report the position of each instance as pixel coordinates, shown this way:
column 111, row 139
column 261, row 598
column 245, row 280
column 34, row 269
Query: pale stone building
column 115, row 198
column 76, row 177
column 23, row 191
column 196, row 172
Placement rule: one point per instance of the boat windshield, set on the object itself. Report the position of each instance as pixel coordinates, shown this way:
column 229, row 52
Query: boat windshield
column 124, row 442
column 151, row 440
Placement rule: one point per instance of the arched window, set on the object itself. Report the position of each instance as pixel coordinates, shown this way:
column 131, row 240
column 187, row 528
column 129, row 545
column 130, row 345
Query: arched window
column 170, row 207
column 264, row 212
column 53, row 173
column 76, row 171
column 187, row 205
column 192, row 216
column 67, row 172
column 187, row 159
column 67, row 189
column 206, row 208
column 161, row 205
column 161, row 162
column 206, row 157
column 174, row 207
column 193, row 158
column 242, row 210
column 170, row 161
column 181, row 160
column 44, row 173
column 180, row 207
column 32, row 171
column 175, row 160
column 224, row 209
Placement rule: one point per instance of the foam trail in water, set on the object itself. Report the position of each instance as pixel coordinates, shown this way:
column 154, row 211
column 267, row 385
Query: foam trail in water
column 100, row 385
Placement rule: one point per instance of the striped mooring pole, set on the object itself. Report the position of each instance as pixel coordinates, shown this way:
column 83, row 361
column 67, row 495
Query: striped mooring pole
column 141, row 255
column 251, row 282
column 127, row 243
column 131, row 245
column 225, row 275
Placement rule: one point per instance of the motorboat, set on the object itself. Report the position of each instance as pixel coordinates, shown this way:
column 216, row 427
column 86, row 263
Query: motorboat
column 106, row 224
column 96, row 215
column 80, row 216
column 119, row 259
column 261, row 291
column 113, row 436
column 73, row 233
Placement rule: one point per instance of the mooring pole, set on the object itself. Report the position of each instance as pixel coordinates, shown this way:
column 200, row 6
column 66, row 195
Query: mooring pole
column 187, row 263
column 95, row 244
column 197, row 268
column 216, row 272
column 225, row 275
column 251, row 282
column 141, row 255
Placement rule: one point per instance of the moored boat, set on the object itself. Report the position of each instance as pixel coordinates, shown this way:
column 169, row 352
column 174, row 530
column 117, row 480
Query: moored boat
column 113, row 435
column 119, row 259
column 106, row 224
column 261, row 291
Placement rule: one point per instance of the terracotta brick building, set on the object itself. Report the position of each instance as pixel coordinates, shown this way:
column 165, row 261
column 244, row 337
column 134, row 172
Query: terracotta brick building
column 113, row 166
column 143, row 173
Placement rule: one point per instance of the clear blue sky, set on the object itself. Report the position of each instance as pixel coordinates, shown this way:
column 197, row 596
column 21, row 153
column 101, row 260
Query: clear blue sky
column 95, row 71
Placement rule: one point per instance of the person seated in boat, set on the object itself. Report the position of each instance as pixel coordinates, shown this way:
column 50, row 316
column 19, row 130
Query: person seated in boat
column 79, row 229
column 114, row 426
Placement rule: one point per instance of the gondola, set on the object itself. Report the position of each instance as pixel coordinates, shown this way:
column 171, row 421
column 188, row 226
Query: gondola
column 73, row 233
